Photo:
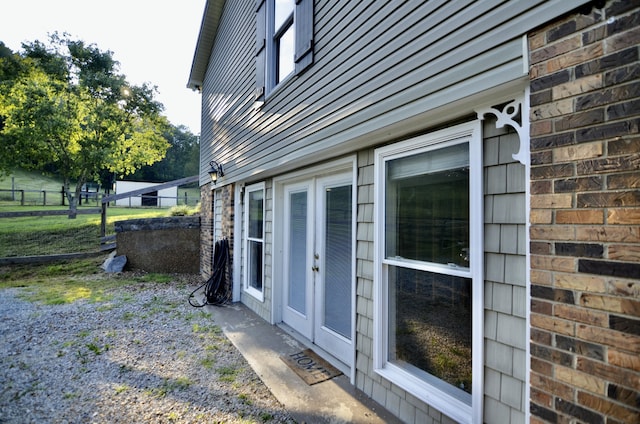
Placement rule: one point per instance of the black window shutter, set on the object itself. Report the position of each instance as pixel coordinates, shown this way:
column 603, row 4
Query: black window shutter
column 261, row 53
column 304, row 34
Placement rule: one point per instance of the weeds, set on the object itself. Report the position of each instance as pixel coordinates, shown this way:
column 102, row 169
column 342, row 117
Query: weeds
column 184, row 210
column 97, row 350
column 173, row 416
column 266, row 416
column 197, row 315
column 210, row 329
column 227, row 374
column 128, row 316
column 121, row 388
column 159, row 305
column 208, row 361
column 245, row 399
column 154, row 278
column 169, row 385
column 93, row 342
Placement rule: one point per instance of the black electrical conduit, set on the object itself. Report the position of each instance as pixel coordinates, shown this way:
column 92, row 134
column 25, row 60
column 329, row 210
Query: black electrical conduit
column 216, row 291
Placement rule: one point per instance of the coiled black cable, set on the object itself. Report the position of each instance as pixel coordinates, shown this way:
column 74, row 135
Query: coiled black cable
column 216, row 291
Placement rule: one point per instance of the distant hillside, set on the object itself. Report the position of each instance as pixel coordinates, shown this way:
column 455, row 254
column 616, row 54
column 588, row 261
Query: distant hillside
column 30, row 180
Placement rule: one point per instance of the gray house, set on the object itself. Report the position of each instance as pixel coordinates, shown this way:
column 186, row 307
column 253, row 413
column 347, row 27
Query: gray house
column 439, row 196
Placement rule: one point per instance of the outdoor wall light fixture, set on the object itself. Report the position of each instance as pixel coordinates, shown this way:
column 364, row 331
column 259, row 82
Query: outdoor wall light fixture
column 216, row 171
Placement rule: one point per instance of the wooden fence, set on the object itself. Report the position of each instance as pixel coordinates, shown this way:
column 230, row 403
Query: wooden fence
column 46, row 197
column 103, row 201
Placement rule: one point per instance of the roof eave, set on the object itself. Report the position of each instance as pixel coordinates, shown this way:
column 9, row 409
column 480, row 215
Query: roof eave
column 206, row 38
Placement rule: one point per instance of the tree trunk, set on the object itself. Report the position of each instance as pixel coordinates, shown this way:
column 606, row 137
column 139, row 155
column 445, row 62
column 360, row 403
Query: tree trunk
column 73, row 205
column 72, row 198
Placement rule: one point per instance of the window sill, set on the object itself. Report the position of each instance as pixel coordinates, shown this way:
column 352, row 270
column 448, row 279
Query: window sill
column 257, row 294
column 452, row 406
column 279, row 87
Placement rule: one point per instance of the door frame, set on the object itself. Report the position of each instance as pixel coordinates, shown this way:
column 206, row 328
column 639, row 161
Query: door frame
column 346, row 164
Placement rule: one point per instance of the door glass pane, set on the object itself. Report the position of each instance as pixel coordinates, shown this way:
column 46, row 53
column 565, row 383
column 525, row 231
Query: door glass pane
column 338, row 260
column 427, row 206
column 430, row 324
column 297, row 251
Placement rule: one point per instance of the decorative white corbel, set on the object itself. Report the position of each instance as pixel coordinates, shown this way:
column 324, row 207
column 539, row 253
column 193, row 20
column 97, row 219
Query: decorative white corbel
column 518, row 108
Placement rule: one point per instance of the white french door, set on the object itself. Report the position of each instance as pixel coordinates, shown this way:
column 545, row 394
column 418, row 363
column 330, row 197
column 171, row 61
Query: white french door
column 318, row 258
column 297, row 258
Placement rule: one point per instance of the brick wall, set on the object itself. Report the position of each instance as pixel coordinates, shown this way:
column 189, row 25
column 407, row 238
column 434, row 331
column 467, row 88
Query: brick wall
column 585, row 217
column 206, row 231
column 228, row 214
column 223, row 221
column 216, row 222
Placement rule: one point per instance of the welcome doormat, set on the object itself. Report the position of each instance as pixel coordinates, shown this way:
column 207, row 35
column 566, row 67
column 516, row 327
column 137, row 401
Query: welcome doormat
column 310, row 367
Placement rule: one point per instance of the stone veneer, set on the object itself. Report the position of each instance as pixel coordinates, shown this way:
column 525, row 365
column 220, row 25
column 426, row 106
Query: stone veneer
column 585, row 217
column 206, row 231
column 216, row 222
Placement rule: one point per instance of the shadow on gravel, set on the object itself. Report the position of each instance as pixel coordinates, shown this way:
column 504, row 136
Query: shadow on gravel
column 138, row 354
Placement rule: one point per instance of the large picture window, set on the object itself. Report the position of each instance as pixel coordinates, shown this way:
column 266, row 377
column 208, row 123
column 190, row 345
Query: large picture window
column 254, row 240
column 429, row 268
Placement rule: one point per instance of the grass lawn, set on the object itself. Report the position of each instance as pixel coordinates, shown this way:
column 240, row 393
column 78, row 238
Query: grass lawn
column 68, row 281
column 29, row 180
column 28, row 236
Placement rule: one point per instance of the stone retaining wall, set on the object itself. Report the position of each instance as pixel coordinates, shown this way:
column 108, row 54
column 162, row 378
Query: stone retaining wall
column 170, row 245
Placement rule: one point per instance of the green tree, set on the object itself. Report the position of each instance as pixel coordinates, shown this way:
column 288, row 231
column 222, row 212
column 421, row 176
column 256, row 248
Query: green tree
column 69, row 111
column 182, row 158
column 11, row 67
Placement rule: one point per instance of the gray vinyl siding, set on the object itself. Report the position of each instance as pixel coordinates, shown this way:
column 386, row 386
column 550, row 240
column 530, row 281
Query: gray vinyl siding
column 229, row 82
column 381, row 70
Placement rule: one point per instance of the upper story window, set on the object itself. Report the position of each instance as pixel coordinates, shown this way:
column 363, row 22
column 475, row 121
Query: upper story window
column 284, row 41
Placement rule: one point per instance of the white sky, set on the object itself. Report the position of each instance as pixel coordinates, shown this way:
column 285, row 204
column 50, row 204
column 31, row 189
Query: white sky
column 154, row 40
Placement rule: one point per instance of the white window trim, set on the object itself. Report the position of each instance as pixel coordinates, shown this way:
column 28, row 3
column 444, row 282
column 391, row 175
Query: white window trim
column 238, row 226
column 271, row 50
column 453, row 406
column 252, row 291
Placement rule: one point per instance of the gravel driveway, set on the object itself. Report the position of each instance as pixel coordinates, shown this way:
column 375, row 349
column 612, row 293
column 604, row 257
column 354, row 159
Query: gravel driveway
column 142, row 354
